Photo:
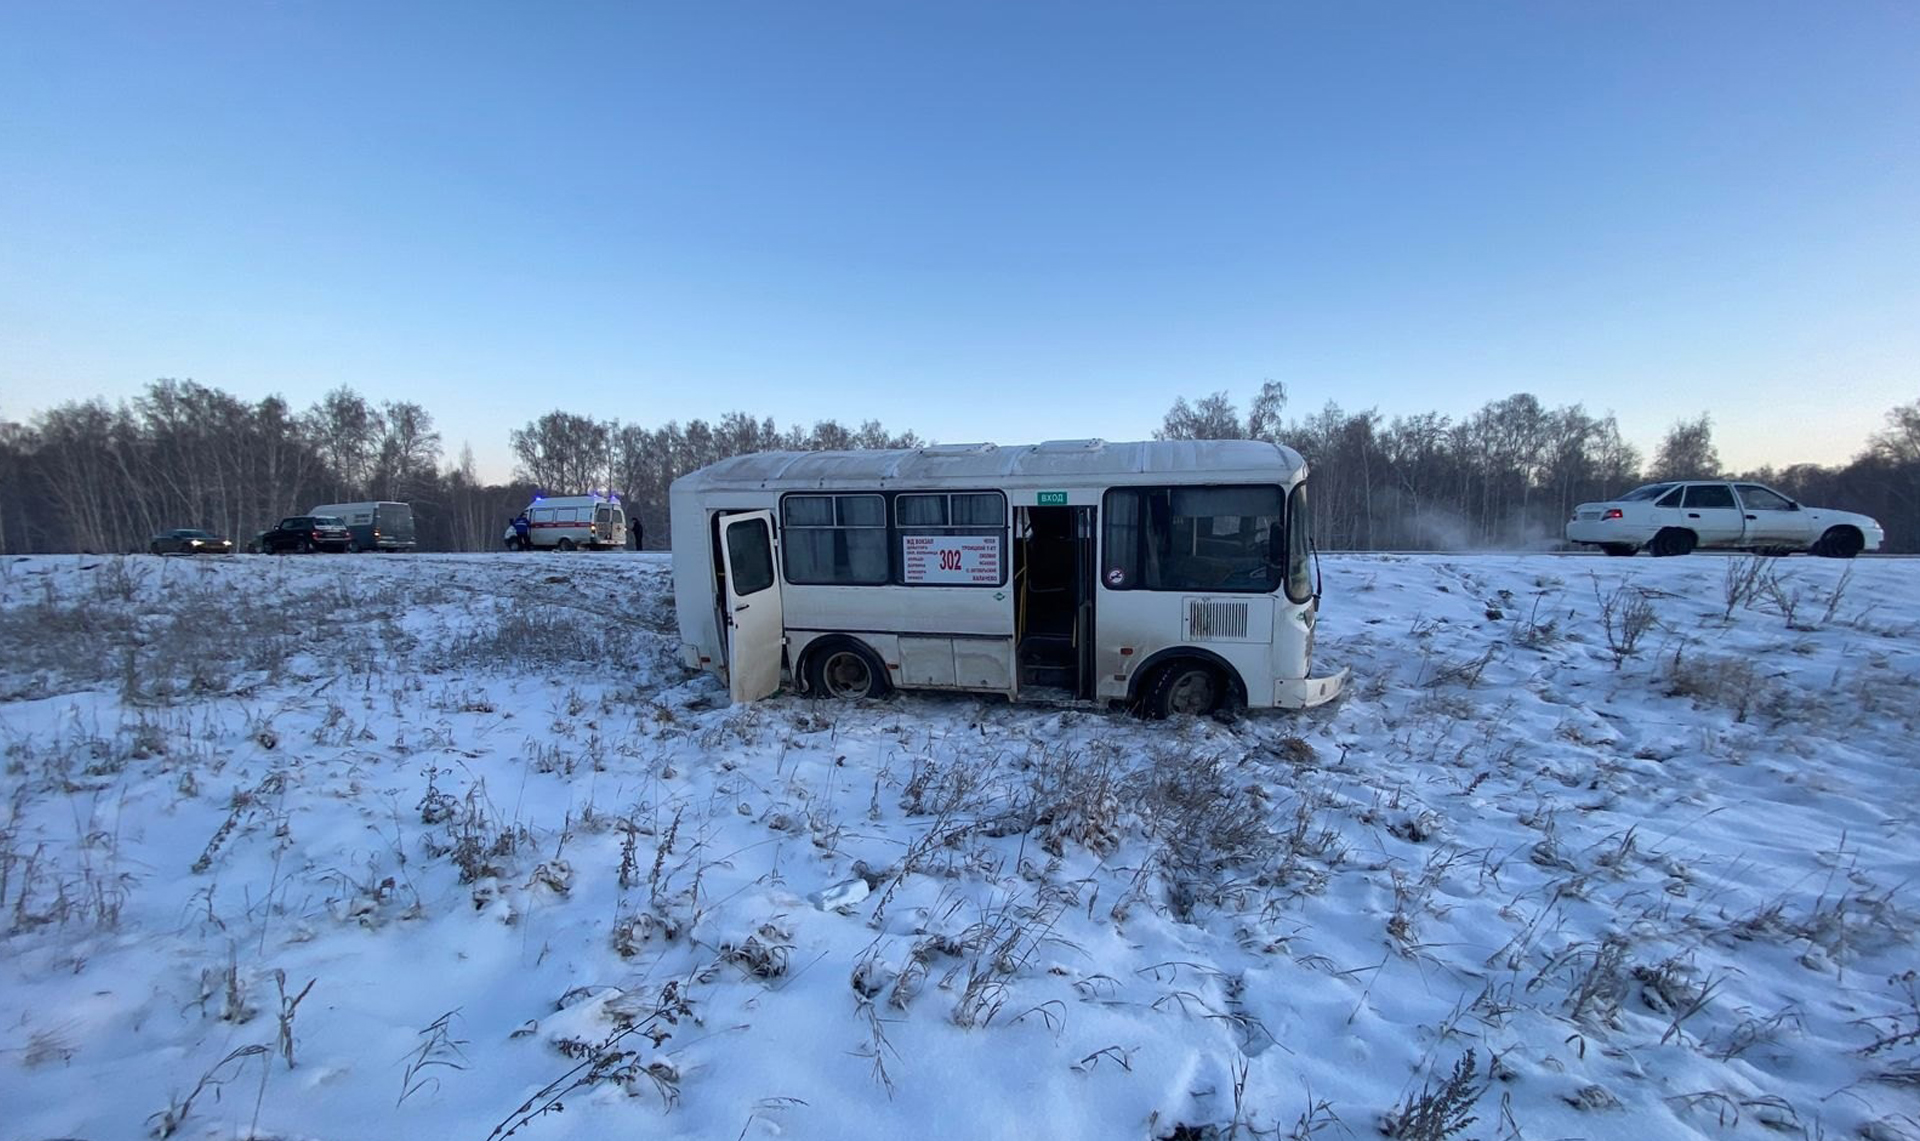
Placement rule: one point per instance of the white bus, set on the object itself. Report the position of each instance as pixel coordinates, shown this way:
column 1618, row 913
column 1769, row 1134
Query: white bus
column 1171, row 576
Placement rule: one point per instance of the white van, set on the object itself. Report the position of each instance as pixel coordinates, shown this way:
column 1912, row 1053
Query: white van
column 1174, row 576
column 566, row 522
column 379, row 526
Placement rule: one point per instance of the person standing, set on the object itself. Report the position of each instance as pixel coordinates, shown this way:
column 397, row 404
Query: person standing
column 523, row 531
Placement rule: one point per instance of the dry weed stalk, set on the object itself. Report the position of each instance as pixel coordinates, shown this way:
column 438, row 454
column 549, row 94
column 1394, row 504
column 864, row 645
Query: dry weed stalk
column 1438, row 1114
column 168, row 1121
column 1626, row 615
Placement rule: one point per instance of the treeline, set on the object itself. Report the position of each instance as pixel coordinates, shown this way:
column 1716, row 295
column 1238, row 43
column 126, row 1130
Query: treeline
column 90, row 476
column 565, row 453
column 1508, row 475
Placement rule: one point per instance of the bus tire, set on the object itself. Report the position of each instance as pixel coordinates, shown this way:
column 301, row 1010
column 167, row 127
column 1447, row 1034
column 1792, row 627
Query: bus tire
column 1186, row 685
column 843, row 668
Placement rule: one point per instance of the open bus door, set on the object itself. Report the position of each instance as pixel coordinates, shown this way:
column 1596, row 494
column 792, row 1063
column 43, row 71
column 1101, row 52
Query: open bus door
column 756, row 627
column 1053, row 563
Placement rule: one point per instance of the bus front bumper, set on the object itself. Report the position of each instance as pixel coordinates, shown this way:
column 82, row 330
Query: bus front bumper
column 1307, row 692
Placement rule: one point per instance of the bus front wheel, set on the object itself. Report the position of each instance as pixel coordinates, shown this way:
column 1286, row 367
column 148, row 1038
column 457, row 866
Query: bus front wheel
column 1188, row 687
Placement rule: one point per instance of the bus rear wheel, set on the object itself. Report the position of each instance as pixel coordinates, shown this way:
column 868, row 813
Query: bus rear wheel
column 1188, row 687
column 845, row 670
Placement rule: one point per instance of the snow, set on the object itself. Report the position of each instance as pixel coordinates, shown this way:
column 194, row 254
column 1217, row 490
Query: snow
column 515, row 847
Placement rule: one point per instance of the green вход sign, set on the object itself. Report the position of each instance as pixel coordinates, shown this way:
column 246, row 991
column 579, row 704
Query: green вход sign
column 1050, row 499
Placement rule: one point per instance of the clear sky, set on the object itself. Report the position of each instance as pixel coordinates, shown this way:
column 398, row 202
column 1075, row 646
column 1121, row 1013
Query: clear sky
column 979, row 220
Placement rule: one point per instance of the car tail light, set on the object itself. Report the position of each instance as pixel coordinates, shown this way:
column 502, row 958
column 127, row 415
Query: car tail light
column 1614, row 513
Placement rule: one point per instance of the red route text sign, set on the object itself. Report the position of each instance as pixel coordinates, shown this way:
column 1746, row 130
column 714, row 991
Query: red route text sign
column 972, row 560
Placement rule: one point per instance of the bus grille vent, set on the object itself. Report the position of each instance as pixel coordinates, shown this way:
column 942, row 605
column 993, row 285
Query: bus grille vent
column 1216, row 620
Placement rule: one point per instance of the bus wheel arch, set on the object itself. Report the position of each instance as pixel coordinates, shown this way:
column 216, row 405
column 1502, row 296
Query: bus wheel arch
column 840, row 666
column 1171, row 682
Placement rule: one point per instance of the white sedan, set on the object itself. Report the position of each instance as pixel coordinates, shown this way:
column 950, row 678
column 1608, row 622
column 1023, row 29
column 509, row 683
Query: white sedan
column 1674, row 518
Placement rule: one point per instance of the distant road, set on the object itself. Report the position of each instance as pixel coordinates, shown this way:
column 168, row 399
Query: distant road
column 1574, row 554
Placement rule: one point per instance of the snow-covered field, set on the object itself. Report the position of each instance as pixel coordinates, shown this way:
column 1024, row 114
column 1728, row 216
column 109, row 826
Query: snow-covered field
column 360, row 847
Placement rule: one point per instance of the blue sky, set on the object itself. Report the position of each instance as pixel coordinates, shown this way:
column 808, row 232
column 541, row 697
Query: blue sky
column 979, row 220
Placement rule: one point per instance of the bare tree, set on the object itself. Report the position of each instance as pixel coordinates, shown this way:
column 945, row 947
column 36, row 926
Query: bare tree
column 407, row 451
column 345, row 428
column 563, row 452
column 1899, row 442
column 1210, row 418
column 1263, row 415
column 1687, row 452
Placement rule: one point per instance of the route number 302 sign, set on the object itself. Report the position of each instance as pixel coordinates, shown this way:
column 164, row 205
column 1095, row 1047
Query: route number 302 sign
column 959, row 559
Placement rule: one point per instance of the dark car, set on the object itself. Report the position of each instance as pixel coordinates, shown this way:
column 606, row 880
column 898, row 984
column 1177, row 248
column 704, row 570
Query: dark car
column 304, row 533
column 189, row 541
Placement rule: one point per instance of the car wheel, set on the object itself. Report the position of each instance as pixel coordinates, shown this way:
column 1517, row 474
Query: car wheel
column 1672, row 541
column 306, row 546
column 1839, row 543
column 1189, row 687
column 845, row 670
column 564, row 545
column 1619, row 550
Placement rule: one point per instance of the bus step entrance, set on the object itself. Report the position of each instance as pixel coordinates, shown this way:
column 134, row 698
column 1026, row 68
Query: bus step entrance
column 1048, row 660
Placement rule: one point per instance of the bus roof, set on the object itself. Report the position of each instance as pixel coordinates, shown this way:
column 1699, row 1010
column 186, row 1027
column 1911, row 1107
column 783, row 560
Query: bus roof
column 1055, row 463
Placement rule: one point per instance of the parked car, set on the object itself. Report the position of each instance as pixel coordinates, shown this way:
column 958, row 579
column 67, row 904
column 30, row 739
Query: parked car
column 1677, row 517
column 189, row 541
column 304, row 533
column 374, row 526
